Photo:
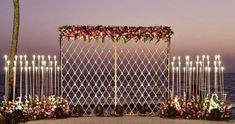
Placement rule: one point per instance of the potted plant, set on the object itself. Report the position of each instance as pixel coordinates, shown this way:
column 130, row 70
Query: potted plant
column 59, row 113
column 119, row 110
column 78, row 111
column 143, row 109
column 99, row 111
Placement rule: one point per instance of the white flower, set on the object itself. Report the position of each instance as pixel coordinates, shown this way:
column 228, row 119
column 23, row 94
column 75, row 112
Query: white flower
column 19, row 107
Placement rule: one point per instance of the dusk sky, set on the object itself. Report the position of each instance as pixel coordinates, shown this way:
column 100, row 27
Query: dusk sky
column 200, row 26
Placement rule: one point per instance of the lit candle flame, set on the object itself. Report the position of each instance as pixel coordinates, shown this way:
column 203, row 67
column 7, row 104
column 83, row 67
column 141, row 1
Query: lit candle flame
column 5, row 56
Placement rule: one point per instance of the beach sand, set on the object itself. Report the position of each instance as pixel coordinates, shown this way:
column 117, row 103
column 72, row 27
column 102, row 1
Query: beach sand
column 126, row 120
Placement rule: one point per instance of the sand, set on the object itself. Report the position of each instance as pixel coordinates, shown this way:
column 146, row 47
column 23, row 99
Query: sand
column 126, row 120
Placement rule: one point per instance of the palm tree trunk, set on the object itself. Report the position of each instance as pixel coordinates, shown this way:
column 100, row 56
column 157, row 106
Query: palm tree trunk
column 14, row 43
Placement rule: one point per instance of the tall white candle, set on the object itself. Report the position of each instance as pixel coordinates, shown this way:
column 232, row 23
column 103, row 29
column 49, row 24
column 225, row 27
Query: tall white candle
column 15, row 62
column 58, row 78
column 209, row 83
column 33, row 70
column 6, row 76
column 208, row 76
column 30, row 81
column 47, row 81
column 14, row 81
column 8, row 68
column 201, row 78
column 173, row 68
column 15, row 78
column 26, row 77
column 208, row 65
column 205, row 81
column 190, row 81
column 215, row 80
column 51, row 81
column 49, row 76
column 36, row 82
column 5, row 58
column 59, row 81
column 38, row 76
column 21, row 76
column 196, row 81
column 179, row 76
column 42, row 70
column 220, row 78
column 42, row 75
column 187, row 69
column 55, row 82
column 199, row 84
column 26, row 81
column 190, row 71
column 6, row 81
column 184, row 69
column 203, row 74
column 193, row 83
column 222, row 73
column 33, row 80
column 177, row 80
column 208, row 61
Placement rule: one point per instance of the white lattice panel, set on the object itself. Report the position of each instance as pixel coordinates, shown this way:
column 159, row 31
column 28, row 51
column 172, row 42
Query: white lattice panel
column 142, row 74
column 88, row 74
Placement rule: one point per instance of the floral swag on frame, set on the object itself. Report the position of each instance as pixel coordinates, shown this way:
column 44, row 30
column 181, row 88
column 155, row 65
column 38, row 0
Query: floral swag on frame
column 115, row 33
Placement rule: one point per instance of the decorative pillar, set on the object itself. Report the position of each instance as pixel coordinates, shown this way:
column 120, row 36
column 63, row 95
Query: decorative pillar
column 115, row 73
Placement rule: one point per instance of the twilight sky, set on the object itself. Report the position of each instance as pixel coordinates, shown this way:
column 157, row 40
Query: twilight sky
column 200, row 26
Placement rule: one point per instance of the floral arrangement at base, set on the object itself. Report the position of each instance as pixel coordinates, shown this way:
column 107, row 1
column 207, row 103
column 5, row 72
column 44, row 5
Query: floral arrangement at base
column 99, row 110
column 119, row 110
column 35, row 108
column 209, row 108
column 77, row 111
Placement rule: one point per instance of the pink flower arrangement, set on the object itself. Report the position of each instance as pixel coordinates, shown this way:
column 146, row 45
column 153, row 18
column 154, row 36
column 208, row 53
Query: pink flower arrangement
column 115, row 33
column 196, row 108
column 33, row 108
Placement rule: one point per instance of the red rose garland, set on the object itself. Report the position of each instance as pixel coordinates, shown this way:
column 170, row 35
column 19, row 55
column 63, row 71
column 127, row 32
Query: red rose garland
column 115, row 33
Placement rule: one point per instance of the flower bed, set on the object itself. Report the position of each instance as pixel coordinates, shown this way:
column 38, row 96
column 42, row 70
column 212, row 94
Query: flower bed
column 35, row 108
column 56, row 107
column 196, row 108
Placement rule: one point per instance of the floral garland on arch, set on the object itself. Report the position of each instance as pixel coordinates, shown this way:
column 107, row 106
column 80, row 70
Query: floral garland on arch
column 115, row 33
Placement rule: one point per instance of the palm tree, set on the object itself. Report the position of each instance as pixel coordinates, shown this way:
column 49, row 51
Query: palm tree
column 14, row 43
